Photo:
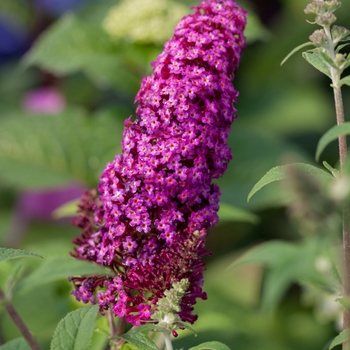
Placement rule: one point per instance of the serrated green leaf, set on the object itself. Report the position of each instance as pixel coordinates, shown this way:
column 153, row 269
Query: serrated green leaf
column 67, row 37
column 211, row 345
column 44, row 151
column 344, row 81
column 16, row 344
column 66, row 210
column 331, row 135
column 316, row 60
column 296, row 49
column 339, row 339
column 10, row 253
column 74, row 332
column 228, row 212
column 71, row 45
column 58, row 268
column 279, row 173
column 140, row 340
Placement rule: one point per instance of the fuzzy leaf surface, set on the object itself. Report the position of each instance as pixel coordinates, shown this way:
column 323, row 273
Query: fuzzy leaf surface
column 140, row 340
column 279, row 173
column 74, row 332
column 10, row 253
column 317, row 61
column 339, row 339
column 331, row 135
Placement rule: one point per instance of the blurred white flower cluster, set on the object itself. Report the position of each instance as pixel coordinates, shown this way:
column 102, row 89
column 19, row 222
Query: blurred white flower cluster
column 146, row 21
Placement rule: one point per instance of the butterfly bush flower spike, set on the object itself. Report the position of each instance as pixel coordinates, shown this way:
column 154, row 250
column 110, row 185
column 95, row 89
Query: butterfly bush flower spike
column 157, row 199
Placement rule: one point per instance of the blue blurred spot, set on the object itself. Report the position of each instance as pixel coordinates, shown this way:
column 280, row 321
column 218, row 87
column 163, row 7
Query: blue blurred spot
column 58, row 7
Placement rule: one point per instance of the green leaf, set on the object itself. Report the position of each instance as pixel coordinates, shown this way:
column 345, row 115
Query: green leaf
column 71, row 45
column 345, row 81
column 331, row 135
column 68, row 37
column 334, row 172
column 140, row 340
column 317, row 61
column 339, row 339
column 279, row 173
column 16, row 344
column 66, row 210
column 270, row 254
column 228, row 212
column 10, row 253
column 212, row 345
column 44, row 151
column 287, row 263
column 74, row 332
column 309, row 43
column 58, row 268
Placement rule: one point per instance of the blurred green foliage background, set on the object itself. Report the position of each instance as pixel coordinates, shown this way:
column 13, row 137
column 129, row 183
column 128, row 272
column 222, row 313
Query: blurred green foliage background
column 69, row 71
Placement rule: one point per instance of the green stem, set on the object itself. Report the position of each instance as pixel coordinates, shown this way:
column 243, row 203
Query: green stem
column 19, row 323
column 346, row 210
column 168, row 343
column 343, row 150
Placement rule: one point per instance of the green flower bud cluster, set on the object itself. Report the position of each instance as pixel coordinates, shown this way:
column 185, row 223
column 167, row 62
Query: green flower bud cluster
column 320, row 7
column 169, row 306
column 326, row 40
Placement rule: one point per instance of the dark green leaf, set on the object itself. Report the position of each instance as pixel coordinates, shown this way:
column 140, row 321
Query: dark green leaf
column 10, row 253
column 228, row 212
column 317, row 61
column 140, row 340
column 58, row 268
column 281, row 172
column 74, row 332
column 339, row 339
column 296, row 49
column 211, row 345
column 16, row 344
column 331, row 135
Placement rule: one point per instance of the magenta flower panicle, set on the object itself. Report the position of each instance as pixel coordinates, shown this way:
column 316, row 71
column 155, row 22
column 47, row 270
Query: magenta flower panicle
column 157, row 200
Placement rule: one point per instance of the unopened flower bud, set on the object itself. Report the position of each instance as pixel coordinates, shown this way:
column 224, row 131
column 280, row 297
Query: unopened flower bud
column 318, row 37
column 339, row 33
column 340, row 60
column 317, row 7
column 326, row 19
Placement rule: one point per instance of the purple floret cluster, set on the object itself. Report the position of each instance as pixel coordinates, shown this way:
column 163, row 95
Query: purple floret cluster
column 157, row 199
